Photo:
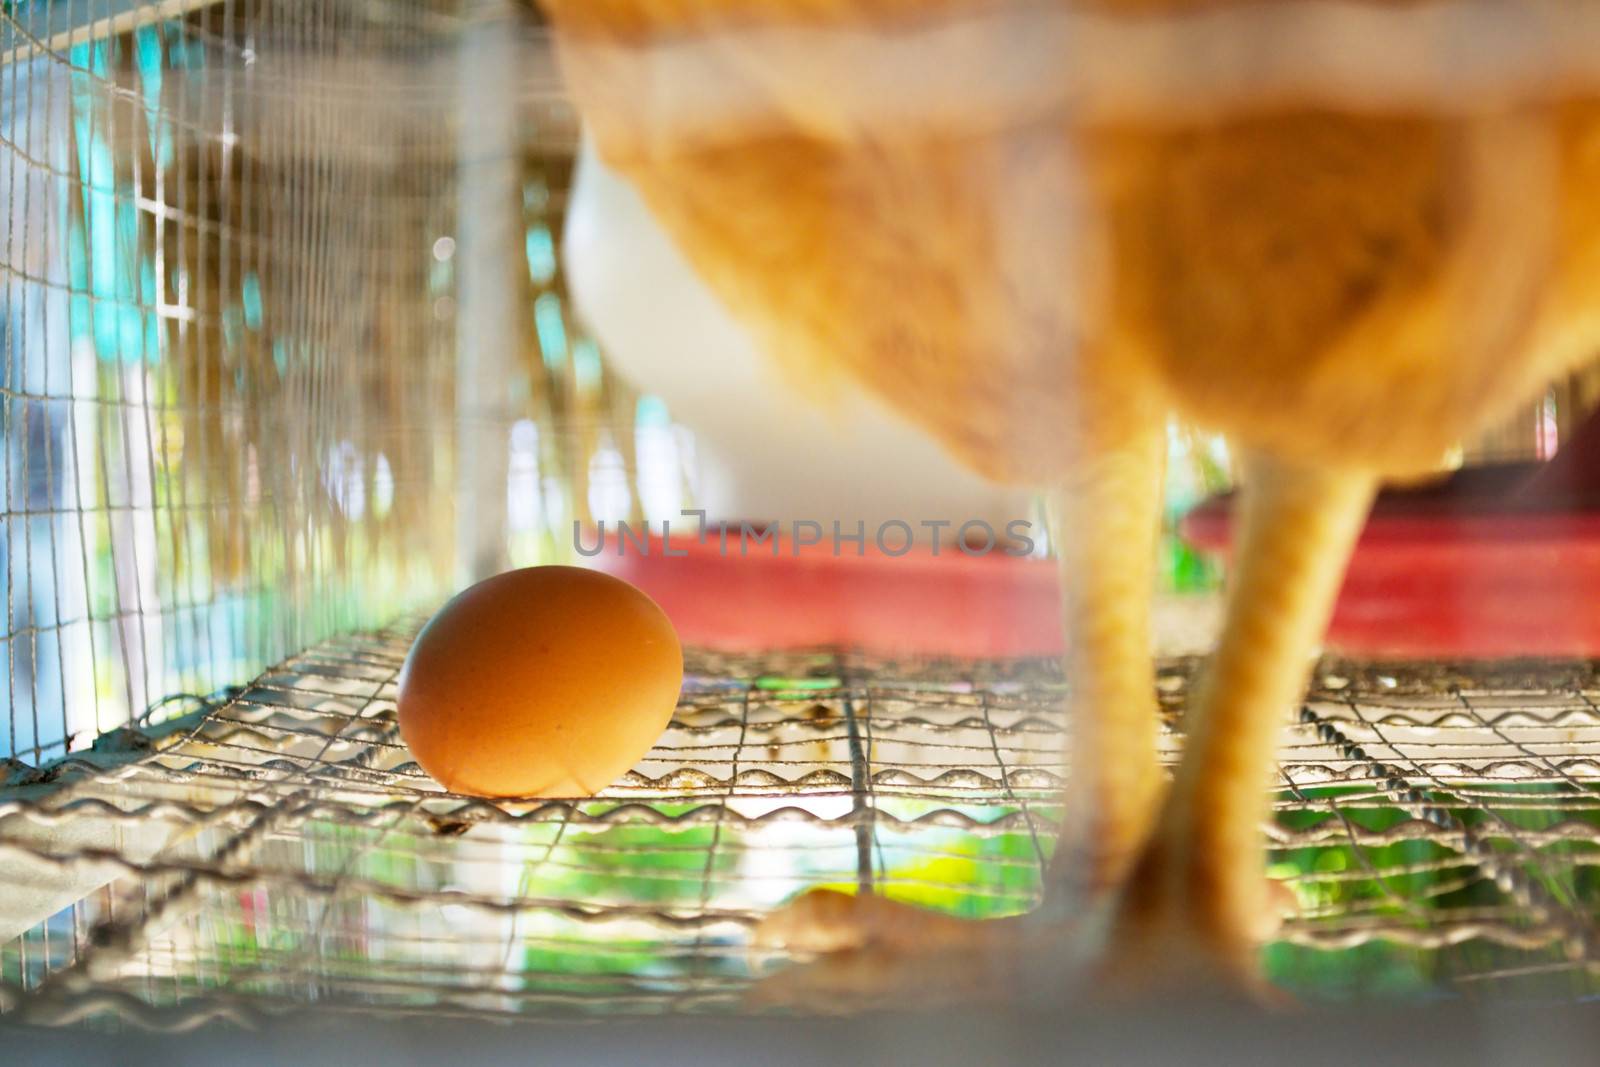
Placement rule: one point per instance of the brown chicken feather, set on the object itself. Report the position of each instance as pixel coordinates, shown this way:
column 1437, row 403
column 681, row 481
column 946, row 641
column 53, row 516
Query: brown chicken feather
column 1345, row 295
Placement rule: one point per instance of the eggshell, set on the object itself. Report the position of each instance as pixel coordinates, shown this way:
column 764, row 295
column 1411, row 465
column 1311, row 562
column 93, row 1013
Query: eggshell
column 542, row 682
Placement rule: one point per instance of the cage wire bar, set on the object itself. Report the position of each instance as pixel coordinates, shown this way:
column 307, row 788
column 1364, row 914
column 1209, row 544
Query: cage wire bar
column 1438, row 828
column 229, row 333
column 221, row 365
column 229, row 342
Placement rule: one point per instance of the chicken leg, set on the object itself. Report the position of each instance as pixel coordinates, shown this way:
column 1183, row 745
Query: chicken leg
column 1200, row 884
column 1105, row 521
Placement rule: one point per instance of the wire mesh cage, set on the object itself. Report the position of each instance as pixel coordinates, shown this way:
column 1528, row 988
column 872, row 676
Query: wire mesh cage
column 229, row 331
column 279, row 849
column 249, row 443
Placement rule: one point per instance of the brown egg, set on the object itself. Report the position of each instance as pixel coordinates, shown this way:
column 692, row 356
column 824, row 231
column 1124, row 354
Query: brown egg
column 542, row 682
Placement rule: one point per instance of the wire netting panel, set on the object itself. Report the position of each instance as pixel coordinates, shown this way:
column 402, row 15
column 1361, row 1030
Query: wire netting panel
column 229, row 278
column 1437, row 829
column 222, row 368
column 229, row 384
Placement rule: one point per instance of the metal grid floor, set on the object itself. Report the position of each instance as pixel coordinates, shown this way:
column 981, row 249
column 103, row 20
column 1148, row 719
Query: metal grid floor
column 1440, row 829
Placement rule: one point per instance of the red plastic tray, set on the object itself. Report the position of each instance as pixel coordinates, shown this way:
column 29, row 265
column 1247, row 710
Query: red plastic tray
column 1492, row 562
column 990, row 605
column 1471, row 568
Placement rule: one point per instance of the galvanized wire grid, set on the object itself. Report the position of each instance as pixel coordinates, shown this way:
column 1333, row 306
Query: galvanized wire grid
column 219, row 358
column 279, row 849
column 225, row 309
column 228, row 289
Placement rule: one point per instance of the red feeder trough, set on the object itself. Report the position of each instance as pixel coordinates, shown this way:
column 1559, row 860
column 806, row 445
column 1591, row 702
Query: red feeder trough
column 988, row 605
column 1492, row 562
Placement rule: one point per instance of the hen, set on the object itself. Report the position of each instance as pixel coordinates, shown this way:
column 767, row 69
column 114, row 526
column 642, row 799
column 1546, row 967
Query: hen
column 1345, row 292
